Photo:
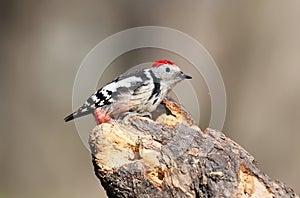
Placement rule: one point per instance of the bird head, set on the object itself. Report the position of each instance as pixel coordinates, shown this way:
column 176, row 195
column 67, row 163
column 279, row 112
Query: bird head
column 168, row 72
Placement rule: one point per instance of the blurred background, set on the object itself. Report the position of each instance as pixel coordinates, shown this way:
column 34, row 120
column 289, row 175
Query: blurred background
column 255, row 44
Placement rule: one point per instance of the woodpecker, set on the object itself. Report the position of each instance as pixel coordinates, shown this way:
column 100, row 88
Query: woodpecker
column 139, row 92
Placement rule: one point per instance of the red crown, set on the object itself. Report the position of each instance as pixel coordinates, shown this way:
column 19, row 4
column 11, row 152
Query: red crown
column 161, row 62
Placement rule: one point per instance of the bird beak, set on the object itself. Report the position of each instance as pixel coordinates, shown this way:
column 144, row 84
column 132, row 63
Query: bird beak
column 184, row 76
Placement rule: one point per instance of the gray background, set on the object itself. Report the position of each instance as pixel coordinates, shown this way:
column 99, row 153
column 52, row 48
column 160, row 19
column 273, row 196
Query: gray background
column 255, row 44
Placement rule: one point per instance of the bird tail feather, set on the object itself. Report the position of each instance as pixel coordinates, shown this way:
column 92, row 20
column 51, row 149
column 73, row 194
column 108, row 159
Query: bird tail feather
column 79, row 113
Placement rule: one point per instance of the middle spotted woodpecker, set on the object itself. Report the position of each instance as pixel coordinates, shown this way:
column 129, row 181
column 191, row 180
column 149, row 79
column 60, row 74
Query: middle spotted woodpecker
column 140, row 91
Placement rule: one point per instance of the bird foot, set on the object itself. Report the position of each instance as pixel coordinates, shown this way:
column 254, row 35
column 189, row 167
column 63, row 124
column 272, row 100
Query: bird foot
column 131, row 114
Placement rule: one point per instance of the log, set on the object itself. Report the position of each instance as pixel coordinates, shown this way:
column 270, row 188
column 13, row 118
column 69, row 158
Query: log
column 169, row 156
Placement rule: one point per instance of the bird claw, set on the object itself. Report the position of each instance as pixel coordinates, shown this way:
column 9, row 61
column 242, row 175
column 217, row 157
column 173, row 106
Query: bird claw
column 128, row 115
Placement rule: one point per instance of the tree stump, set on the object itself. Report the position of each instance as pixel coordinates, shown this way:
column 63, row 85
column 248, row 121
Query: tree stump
column 172, row 157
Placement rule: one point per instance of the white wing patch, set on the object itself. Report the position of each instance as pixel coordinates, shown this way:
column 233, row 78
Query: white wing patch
column 126, row 82
column 95, row 99
column 105, row 94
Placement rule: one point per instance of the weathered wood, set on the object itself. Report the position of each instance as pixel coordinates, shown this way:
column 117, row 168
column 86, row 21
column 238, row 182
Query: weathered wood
column 172, row 157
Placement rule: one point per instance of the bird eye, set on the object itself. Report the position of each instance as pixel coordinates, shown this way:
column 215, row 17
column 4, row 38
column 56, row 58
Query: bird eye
column 167, row 69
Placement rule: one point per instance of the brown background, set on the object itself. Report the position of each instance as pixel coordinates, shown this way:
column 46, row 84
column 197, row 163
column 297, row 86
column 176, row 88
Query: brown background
column 255, row 44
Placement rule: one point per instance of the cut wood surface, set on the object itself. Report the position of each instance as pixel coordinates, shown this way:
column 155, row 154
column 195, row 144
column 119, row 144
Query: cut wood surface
column 169, row 156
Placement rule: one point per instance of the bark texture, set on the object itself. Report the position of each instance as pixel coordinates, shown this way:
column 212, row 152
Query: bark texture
column 172, row 157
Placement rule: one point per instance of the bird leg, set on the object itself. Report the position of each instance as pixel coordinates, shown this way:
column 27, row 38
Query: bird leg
column 101, row 116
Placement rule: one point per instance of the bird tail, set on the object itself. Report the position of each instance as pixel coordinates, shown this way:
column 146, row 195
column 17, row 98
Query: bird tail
column 79, row 113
